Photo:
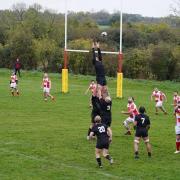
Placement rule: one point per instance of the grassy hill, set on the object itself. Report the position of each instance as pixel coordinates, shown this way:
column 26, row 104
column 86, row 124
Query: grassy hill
column 47, row 140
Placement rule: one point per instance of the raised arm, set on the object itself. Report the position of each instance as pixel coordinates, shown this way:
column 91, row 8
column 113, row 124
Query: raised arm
column 93, row 53
column 99, row 51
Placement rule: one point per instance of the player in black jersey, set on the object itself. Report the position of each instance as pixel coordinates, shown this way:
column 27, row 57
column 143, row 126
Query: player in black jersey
column 104, row 137
column 99, row 68
column 96, row 110
column 106, row 105
column 142, row 125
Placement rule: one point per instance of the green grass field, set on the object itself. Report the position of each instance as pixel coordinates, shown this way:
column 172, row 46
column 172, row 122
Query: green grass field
column 47, row 140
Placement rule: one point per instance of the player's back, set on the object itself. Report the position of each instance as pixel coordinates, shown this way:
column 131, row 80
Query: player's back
column 106, row 106
column 142, row 120
column 46, row 82
column 100, row 130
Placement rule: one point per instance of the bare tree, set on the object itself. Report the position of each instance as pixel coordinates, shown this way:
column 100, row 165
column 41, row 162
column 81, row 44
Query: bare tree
column 175, row 7
column 19, row 9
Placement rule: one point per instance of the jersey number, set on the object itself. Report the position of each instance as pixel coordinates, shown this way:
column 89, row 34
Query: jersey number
column 143, row 119
column 101, row 129
column 108, row 108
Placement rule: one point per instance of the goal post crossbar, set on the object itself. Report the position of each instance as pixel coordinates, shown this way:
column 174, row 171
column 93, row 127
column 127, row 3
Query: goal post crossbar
column 87, row 51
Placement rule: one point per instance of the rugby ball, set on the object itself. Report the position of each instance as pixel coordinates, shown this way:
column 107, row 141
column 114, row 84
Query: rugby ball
column 104, row 34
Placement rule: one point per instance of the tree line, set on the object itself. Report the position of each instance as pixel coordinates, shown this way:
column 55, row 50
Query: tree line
column 151, row 46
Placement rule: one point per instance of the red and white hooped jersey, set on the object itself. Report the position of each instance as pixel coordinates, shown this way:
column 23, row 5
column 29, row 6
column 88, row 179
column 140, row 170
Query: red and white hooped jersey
column 13, row 79
column 177, row 114
column 158, row 95
column 176, row 99
column 46, row 83
column 93, row 87
column 132, row 109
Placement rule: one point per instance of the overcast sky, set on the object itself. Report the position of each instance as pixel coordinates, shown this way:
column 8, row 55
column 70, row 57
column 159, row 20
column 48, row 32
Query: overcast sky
column 152, row 8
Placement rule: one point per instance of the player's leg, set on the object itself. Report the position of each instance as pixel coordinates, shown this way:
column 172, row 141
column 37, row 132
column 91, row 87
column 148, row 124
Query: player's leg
column 19, row 72
column 15, row 71
column 51, row 96
column 177, row 130
column 12, row 91
column 90, row 102
column 48, row 94
column 148, row 145
column 163, row 109
column 107, row 155
column 99, row 90
column 16, row 90
column 45, row 95
column 136, row 147
column 126, row 125
column 104, row 92
column 156, row 108
column 177, row 144
column 98, row 157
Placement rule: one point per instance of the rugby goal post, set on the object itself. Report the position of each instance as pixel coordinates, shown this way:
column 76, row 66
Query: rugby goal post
column 65, row 88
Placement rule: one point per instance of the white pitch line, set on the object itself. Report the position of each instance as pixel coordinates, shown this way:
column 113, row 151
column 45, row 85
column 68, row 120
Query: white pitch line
column 61, row 164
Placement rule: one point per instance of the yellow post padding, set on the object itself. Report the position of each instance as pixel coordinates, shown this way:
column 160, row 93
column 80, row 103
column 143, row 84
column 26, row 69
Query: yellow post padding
column 64, row 80
column 119, row 85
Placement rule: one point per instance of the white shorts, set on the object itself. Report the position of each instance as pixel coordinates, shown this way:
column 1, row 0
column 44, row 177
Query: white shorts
column 159, row 104
column 46, row 90
column 177, row 130
column 13, row 85
column 128, row 121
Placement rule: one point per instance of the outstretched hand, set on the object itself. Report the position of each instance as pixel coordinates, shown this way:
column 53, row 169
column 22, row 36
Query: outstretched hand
column 97, row 44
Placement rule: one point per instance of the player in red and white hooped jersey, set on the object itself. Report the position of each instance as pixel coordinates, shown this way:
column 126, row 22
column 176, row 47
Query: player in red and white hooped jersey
column 132, row 112
column 13, row 84
column 93, row 88
column 159, row 98
column 177, row 127
column 46, row 84
column 176, row 99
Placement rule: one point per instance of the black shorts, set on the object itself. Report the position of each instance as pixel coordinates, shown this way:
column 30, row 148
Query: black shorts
column 93, row 115
column 107, row 120
column 102, row 145
column 141, row 132
column 101, row 81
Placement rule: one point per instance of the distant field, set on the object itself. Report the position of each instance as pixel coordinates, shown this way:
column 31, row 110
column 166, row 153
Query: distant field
column 47, row 140
column 104, row 27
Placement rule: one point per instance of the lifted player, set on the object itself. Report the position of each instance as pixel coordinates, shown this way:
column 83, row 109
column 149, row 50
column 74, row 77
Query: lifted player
column 176, row 99
column 96, row 111
column 92, row 87
column 106, row 115
column 104, row 137
column 177, row 128
column 132, row 112
column 13, row 84
column 159, row 98
column 100, row 71
column 142, row 125
column 46, row 84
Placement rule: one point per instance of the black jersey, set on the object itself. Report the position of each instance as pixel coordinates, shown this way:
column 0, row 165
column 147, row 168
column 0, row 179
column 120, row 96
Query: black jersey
column 99, row 67
column 142, row 120
column 96, row 104
column 106, row 107
column 106, row 112
column 100, row 130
